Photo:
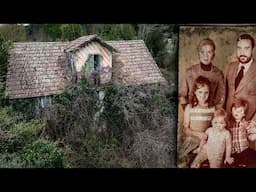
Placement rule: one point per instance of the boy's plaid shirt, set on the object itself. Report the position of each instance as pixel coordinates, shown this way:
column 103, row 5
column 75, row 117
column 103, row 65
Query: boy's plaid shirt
column 239, row 136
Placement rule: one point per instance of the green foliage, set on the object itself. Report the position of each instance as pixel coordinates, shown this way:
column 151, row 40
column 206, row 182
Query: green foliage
column 28, row 107
column 156, row 43
column 118, row 32
column 70, row 32
column 26, row 132
column 171, row 77
column 99, row 153
column 43, row 154
column 4, row 55
column 20, row 146
column 161, row 40
column 37, row 32
column 19, row 135
column 11, row 160
column 72, row 114
column 129, row 110
column 54, row 32
column 13, row 32
column 8, row 118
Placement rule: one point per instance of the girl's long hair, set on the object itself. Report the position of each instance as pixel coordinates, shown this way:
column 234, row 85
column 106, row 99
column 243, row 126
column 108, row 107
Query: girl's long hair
column 198, row 83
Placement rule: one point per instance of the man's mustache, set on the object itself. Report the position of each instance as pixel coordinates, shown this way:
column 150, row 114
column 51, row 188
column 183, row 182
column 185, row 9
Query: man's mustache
column 242, row 56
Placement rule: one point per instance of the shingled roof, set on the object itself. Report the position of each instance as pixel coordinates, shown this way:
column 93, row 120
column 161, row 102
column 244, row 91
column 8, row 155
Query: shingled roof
column 41, row 68
column 36, row 69
column 134, row 64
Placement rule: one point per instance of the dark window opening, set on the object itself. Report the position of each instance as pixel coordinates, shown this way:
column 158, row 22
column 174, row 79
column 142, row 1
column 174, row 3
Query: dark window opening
column 93, row 66
column 45, row 101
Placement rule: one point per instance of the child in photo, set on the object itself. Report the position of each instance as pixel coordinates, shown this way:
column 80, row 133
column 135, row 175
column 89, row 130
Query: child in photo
column 217, row 144
column 242, row 132
column 197, row 118
column 205, row 67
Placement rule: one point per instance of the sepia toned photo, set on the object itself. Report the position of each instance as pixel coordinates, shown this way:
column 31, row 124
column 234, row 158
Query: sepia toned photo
column 217, row 96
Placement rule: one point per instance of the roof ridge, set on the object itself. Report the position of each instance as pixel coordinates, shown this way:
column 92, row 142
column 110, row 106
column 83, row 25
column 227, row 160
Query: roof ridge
column 125, row 40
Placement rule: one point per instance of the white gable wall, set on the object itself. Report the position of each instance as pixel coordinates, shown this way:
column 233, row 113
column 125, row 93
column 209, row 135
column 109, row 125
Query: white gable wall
column 81, row 56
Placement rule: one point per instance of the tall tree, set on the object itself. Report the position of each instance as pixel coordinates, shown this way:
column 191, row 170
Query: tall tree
column 70, row 32
column 160, row 39
column 13, row 32
column 118, row 32
column 37, row 32
column 54, row 32
column 94, row 28
column 156, row 42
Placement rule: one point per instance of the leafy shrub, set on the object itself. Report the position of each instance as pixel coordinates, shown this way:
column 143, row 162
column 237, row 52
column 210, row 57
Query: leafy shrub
column 11, row 160
column 134, row 108
column 27, row 108
column 8, row 118
column 4, row 55
column 43, row 154
column 20, row 135
column 154, row 148
column 128, row 110
column 71, row 116
column 99, row 153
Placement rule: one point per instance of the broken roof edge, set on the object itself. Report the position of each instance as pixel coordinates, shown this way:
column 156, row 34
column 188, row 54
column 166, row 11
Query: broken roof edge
column 7, row 96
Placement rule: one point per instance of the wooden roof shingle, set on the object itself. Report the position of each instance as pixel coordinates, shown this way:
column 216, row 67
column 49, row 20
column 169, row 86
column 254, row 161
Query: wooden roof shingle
column 41, row 68
column 36, row 69
column 135, row 64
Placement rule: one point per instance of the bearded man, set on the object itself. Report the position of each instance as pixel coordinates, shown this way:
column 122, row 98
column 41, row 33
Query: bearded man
column 241, row 77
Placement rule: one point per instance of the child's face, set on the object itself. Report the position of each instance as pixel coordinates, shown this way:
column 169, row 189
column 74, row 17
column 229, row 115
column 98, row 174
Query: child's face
column 219, row 123
column 206, row 54
column 238, row 113
column 202, row 94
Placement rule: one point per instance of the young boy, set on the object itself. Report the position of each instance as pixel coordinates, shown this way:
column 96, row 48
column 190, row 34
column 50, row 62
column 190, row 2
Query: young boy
column 242, row 132
column 218, row 142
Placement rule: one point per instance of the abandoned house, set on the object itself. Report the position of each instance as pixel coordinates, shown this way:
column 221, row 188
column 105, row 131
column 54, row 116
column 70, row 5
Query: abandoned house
column 42, row 69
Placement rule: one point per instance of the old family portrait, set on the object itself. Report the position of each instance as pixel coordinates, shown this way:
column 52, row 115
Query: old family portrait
column 217, row 97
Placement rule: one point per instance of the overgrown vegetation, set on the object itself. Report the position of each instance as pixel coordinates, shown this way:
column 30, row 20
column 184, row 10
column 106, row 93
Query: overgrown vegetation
column 136, row 124
column 4, row 55
column 132, row 126
column 21, row 143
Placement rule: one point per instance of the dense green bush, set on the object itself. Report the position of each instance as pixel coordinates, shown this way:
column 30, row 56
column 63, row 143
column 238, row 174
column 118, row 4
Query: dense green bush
column 25, row 132
column 11, row 160
column 70, row 32
column 128, row 111
column 27, row 108
column 134, row 108
column 4, row 55
column 20, row 135
column 118, row 32
column 99, row 153
column 43, row 154
column 72, row 115
column 8, row 118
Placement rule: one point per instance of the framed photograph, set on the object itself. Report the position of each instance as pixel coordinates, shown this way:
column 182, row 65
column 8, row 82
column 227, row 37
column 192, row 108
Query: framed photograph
column 217, row 96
